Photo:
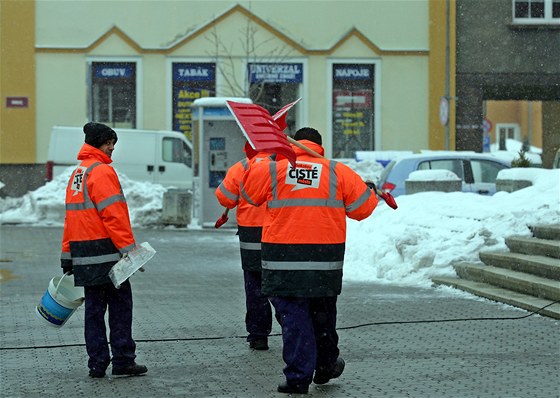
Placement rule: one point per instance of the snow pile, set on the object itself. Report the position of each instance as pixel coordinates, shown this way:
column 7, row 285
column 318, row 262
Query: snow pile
column 432, row 175
column 426, row 234
column 432, row 230
column 45, row 205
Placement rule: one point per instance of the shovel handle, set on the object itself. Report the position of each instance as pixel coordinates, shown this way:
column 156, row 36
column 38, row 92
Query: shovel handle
column 386, row 196
column 305, row 148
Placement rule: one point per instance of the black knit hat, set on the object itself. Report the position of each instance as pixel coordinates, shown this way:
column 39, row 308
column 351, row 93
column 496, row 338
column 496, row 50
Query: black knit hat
column 98, row 134
column 308, row 133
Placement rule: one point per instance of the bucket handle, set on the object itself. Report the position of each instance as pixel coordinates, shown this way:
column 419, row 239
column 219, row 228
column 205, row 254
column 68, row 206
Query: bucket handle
column 59, row 282
column 82, row 299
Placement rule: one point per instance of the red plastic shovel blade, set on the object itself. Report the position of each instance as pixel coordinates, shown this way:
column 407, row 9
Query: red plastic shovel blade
column 221, row 221
column 389, row 199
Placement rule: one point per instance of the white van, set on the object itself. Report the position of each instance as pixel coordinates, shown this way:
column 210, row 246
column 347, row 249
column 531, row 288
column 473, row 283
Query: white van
column 157, row 156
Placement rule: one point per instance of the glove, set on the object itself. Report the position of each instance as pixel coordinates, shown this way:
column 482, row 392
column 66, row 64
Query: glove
column 68, row 270
column 371, row 185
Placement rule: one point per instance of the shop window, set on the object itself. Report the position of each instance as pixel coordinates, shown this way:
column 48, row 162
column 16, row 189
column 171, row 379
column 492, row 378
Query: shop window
column 113, row 93
column 536, row 11
column 352, row 109
column 274, row 85
column 190, row 81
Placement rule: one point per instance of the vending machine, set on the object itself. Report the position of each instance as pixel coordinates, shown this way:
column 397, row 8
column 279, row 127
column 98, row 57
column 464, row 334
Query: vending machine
column 217, row 145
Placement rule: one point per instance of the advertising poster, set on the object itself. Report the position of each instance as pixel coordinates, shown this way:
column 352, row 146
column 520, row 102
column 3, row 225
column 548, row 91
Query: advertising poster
column 190, row 81
column 352, row 104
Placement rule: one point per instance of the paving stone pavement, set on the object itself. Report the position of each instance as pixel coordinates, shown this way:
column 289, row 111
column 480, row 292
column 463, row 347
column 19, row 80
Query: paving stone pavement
column 189, row 328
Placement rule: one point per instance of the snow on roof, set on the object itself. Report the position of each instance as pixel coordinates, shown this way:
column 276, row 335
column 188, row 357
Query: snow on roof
column 432, row 175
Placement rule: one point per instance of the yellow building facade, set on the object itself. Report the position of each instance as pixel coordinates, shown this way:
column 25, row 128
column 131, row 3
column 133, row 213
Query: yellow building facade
column 64, row 47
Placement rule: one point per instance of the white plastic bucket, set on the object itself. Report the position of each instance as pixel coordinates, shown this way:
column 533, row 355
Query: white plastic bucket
column 60, row 300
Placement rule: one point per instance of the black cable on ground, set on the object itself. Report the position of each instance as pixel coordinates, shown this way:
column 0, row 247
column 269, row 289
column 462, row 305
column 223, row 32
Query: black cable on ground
column 452, row 320
column 279, row 334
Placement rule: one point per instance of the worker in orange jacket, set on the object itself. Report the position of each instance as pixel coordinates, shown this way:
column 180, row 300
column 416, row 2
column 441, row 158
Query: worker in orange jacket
column 303, row 244
column 258, row 315
column 97, row 233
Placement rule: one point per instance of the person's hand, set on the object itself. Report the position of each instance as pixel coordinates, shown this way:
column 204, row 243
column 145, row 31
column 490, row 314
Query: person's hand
column 68, row 270
column 371, row 185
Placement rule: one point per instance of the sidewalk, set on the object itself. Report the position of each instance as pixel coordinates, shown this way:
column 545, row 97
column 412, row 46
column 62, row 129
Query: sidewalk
column 189, row 328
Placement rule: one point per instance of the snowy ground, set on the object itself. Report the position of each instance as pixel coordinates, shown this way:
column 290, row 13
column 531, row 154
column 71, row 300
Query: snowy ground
column 407, row 246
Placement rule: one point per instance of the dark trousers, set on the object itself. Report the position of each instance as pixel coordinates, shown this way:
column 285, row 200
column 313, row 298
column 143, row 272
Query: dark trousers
column 310, row 341
column 258, row 317
column 119, row 302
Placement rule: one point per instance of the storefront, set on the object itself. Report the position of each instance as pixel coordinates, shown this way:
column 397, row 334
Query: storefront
column 190, row 81
column 353, row 112
column 113, row 93
column 273, row 85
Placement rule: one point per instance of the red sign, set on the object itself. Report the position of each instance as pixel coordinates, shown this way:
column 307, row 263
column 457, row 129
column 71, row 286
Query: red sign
column 357, row 99
column 17, row 102
column 486, row 125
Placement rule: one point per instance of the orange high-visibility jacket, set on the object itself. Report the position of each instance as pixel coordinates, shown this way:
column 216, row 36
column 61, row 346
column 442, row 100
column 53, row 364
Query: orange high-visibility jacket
column 249, row 217
column 97, row 228
column 304, row 230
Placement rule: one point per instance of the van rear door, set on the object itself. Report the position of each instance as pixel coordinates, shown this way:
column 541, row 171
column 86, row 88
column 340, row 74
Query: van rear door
column 64, row 145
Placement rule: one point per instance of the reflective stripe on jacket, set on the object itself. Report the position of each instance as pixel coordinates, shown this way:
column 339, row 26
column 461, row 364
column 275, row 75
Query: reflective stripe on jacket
column 249, row 217
column 304, row 230
column 97, row 227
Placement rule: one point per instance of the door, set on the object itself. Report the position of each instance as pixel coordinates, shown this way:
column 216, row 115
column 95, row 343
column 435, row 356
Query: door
column 484, row 174
column 505, row 132
column 174, row 167
column 222, row 147
column 134, row 155
column 113, row 93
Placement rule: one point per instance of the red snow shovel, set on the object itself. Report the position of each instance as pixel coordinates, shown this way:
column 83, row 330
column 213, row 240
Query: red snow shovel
column 279, row 119
column 386, row 196
column 223, row 219
column 263, row 133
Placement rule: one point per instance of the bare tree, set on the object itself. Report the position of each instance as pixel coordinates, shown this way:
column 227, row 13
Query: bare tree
column 252, row 50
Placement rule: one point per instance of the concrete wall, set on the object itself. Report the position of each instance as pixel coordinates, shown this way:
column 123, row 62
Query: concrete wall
column 498, row 60
column 18, row 179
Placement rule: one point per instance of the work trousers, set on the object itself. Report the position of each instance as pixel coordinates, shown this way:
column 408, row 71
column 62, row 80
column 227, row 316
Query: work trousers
column 258, row 317
column 310, row 341
column 119, row 302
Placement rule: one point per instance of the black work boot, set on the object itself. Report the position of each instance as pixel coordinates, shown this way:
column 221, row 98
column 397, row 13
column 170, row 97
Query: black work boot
column 293, row 388
column 323, row 377
column 96, row 373
column 130, row 370
column 259, row 344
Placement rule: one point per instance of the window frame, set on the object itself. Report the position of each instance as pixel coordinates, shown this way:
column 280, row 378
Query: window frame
column 546, row 20
column 184, row 154
column 139, row 119
column 169, row 84
column 377, row 123
column 302, row 90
